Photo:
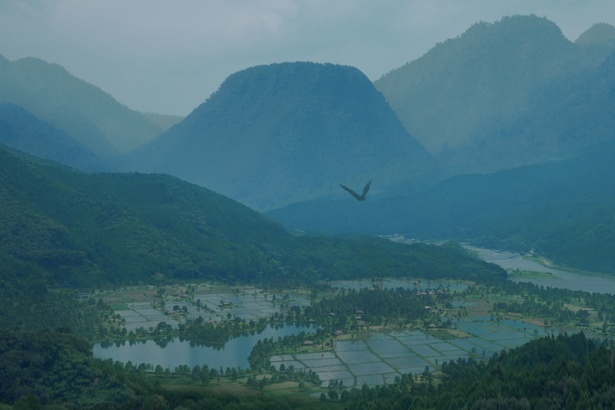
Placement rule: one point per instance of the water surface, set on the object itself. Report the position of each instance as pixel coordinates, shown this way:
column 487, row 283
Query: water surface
column 589, row 282
column 177, row 352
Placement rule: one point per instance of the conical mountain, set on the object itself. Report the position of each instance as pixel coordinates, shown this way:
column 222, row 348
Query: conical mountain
column 81, row 110
column 282, row 133
column 466, row 99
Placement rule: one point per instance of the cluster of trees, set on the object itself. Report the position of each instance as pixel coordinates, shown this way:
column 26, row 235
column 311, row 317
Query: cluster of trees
column 54, row 367
column 37, row 308
column 55, row 370
column 209, row 334
column 285, row 374
column 540, row 301
column 369, row 306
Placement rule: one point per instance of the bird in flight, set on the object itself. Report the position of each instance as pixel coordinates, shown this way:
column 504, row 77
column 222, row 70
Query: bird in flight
column 357, row 196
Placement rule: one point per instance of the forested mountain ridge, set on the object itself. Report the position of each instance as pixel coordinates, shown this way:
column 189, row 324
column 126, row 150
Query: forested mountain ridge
column 81, row 110
column 74, row 229
column 281, row 133
column 20, row 130
column 503, row 95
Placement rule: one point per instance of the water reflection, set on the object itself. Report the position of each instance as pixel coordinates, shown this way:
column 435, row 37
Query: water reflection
column 173, row 352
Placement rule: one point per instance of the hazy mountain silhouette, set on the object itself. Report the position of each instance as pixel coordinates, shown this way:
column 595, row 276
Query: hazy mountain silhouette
column 281, row 133
column 561, row 209
column 83, row 111
column 469, row 99
column 600, row 34
column 22, row 131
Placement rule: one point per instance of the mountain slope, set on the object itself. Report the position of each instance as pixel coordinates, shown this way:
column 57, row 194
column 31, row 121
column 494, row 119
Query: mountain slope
column 468, row 99
column 562, row 209
column 82, row 110
column 281, row 133
column 65, row 228
column 21, row 130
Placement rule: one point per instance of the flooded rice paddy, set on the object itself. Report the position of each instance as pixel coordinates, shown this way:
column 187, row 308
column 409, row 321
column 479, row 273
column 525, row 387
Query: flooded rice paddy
column 371, row 358
column 380, row 357
column 213, row 307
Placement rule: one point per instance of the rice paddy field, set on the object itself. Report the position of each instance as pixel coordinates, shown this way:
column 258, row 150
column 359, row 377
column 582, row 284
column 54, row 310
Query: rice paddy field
column 371, row 358
column 379, row 357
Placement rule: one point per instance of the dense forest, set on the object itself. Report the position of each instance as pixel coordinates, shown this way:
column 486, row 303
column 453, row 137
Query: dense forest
column 80, row 230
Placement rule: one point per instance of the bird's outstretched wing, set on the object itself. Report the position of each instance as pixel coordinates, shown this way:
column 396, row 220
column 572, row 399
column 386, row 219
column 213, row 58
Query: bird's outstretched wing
column 355, row 195
column 366, row 188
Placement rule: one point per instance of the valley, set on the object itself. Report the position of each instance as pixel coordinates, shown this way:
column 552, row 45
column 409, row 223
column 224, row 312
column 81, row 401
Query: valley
column 216, row 261
column 276, row 335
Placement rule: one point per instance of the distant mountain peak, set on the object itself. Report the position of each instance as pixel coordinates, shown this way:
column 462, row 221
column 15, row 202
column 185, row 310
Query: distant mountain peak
column 469, row 99
column 600, row 33
column 284, row 132
column 81, row 110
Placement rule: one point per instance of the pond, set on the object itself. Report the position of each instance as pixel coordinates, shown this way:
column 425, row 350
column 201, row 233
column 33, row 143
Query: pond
column 181, row 352
column 586, row 281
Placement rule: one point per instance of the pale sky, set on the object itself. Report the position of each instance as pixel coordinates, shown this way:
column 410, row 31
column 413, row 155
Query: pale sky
column 168, row 56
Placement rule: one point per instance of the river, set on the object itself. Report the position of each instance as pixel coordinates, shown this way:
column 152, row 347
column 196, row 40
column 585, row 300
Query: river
column 590, row 282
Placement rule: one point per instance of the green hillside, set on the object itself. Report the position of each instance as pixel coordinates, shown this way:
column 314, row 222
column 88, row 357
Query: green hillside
column 74, row 229
column 22, row 131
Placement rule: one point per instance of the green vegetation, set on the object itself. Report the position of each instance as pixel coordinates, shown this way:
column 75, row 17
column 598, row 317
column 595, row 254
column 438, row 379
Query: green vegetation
column 554, row 373
column 56, row 369
column 528, row 274
column 78, row 230
column 22, row 131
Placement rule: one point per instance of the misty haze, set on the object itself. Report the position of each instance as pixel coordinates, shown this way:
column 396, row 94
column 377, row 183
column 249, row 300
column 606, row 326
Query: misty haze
column 310, row 235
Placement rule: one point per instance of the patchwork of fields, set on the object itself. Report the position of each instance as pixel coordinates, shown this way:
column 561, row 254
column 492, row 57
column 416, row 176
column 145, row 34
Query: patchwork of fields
column 381, row 357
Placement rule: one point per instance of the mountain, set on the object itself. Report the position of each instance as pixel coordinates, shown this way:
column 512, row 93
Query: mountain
column 277, row 134
column 478, row 101
column 600, row 34
column 163, row 121
column 62, row 227
column 81, row 110
column 22, row 131
column 560, row 209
